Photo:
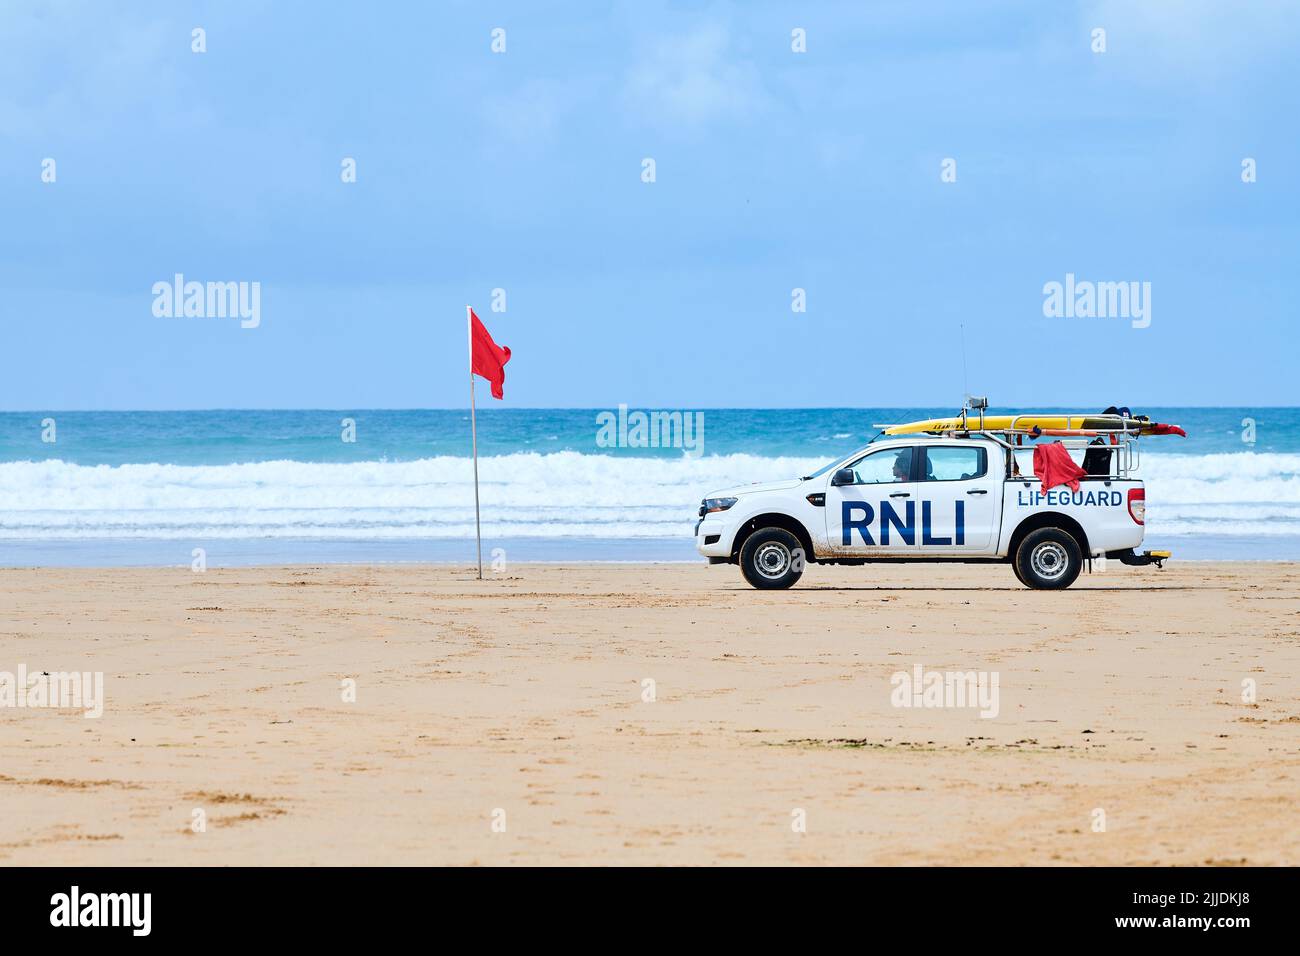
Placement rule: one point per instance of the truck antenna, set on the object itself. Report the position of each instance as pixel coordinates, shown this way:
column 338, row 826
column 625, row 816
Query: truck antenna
column 965, row 383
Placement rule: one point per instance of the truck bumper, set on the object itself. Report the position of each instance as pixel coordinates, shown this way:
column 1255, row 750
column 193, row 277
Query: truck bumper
column 711, row 539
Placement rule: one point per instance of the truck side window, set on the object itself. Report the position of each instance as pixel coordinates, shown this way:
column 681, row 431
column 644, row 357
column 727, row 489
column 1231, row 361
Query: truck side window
column 884, row 466
column 947, row 463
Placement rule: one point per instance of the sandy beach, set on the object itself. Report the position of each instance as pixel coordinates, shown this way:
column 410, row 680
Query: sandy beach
column 635, row 714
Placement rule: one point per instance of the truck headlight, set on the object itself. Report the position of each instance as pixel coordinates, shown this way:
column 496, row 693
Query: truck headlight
column 711, row 505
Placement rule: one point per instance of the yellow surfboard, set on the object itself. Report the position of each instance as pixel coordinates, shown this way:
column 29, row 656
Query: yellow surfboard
column 1031, row 420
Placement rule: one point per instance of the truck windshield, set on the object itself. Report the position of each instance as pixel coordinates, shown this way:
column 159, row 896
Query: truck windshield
column 831, row 464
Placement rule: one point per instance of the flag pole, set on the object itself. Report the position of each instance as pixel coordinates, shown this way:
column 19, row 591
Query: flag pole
column 473, row 429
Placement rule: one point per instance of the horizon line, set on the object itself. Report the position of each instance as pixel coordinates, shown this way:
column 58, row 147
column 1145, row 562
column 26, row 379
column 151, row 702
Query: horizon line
column 585, row 408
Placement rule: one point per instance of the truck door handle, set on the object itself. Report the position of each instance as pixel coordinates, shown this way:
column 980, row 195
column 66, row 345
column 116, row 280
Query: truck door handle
column 978, row 491
column 901, row 494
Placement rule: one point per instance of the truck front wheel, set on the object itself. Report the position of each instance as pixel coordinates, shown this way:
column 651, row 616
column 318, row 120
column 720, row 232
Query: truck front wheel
column 772, row 558
column 1048, row 559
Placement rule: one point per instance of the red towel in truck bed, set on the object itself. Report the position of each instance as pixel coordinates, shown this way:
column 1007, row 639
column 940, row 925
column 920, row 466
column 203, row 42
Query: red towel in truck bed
column 1053, row 464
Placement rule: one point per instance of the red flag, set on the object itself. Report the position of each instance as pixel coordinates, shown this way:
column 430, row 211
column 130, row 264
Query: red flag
column 486, row 357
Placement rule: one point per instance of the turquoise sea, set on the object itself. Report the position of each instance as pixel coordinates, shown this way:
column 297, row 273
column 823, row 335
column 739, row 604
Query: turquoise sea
column 315, row 486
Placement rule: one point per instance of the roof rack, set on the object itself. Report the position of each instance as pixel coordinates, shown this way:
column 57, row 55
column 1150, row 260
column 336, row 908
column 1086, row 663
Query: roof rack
column 1074, row 430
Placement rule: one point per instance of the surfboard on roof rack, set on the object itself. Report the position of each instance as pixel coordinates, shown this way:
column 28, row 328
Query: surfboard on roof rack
column 1046, row 423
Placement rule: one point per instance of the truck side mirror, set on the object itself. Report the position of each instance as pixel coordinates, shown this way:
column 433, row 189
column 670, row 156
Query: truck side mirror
column 844, row 476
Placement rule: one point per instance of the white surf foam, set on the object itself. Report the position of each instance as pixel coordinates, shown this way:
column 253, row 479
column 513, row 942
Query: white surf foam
column 527, row 495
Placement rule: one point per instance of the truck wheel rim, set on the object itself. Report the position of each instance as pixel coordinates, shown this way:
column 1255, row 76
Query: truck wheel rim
column 772, row 560
column 1049, row 560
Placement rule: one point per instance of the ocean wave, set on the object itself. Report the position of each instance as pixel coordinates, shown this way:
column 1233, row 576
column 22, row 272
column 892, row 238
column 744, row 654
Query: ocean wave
column 527, row 494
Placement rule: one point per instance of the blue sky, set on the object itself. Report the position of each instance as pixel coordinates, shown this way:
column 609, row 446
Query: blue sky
column 774, row 170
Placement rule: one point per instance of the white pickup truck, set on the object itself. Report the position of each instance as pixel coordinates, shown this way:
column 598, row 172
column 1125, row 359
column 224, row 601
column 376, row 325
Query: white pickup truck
column 925, row 497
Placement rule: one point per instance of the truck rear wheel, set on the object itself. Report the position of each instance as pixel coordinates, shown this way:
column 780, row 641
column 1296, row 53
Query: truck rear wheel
column 1048, row 559
column 772, row 558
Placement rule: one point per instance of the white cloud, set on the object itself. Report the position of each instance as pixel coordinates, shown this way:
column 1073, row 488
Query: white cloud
column 1180, row 39
column 529, row 115
column 77, row 68
column 694, row 79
